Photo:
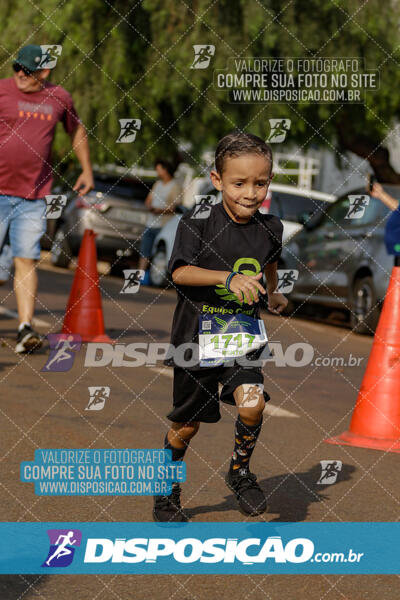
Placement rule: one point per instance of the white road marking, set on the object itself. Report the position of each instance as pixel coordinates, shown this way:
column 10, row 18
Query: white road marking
column 13, row 315
column 270, row 409
column 277, row 411
column 167, row 371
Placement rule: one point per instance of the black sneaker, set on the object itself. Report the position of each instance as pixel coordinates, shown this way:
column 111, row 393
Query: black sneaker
column 168, row 508
column 248, row 493
column 28, row 340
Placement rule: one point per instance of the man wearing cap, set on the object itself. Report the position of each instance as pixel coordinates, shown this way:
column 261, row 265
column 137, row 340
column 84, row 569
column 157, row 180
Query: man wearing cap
column 30, row 108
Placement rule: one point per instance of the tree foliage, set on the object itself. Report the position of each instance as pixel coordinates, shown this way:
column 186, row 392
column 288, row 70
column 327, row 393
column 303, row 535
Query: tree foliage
column 131, row 58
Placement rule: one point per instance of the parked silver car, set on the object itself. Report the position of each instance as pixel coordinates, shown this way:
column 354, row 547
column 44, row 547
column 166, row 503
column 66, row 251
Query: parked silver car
column 342, row 260
column 115, row 210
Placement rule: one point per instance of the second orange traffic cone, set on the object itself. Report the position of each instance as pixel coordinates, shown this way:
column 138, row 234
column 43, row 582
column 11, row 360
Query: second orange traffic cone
column 376, row 417
column 84, row 313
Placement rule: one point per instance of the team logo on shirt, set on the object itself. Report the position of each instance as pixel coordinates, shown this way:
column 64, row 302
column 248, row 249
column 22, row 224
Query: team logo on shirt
column 221, row 290
column 42, row 112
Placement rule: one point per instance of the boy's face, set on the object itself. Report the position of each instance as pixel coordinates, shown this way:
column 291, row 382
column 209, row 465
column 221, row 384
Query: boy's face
column 244, row 185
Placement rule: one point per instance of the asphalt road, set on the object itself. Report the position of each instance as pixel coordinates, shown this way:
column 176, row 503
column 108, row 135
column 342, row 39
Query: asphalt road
column 309, row 404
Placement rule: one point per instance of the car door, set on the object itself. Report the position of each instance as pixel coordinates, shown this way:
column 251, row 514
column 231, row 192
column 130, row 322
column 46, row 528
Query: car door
column 294, row 210
column 331, row 253
column 316, row 251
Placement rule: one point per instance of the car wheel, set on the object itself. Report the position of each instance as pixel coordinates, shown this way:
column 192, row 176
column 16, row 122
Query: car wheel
column 364, row 310
column 60, row 252
column 159, row 268
column 117, row 267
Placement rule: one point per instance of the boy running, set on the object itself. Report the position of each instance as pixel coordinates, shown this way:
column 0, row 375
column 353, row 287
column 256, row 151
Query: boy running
column 217, row 263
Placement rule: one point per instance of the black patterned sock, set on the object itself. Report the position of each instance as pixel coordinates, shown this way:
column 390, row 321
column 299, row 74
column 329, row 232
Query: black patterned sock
column 177, row 453
column 245, row 441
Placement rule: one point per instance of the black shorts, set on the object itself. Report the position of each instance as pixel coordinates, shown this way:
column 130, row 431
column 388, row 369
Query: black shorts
column 196, row 396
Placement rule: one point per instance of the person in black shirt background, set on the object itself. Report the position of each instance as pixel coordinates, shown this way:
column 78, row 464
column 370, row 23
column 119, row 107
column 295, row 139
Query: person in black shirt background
column 217, row 263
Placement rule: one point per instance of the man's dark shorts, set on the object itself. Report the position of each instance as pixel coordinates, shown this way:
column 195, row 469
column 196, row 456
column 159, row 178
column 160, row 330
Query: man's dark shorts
column 196, row 396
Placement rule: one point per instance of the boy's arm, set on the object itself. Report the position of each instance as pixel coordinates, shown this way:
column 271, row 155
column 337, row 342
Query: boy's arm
column 276, row 301
column 245, row 287
column 197, row 276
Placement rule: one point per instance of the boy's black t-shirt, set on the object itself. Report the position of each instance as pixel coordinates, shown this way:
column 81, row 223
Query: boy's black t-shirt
column 219, row 243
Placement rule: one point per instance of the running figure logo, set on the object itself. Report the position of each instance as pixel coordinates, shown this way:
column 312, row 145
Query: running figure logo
column 203, row 53
column 279, row 130
column 203, row 206
column 63, row 348
column 329, row 471
column 286, row 280
column 129, row 129
column 62, row 547
column 357, row 205
column 54, row 206
column 50, row 54
column 249, row 394
column 133, row 278
column 97, row 397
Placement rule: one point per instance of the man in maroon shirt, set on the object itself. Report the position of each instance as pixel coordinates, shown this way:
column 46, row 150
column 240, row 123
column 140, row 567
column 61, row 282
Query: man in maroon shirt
column 30, row 108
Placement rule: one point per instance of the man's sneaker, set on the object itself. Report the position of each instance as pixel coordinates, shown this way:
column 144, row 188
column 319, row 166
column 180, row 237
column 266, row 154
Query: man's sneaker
column 249, row 495
column 28, row 340
column 168, row 508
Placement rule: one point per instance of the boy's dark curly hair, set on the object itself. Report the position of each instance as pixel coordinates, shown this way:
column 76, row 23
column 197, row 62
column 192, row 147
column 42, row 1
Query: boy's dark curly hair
column 238, row 143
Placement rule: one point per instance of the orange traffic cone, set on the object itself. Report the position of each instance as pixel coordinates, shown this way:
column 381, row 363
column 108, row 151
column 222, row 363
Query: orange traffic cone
column 376, row 417
column 84, row 314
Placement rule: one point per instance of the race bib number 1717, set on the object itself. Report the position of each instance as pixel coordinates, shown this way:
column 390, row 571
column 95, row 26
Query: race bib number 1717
column 222, row 339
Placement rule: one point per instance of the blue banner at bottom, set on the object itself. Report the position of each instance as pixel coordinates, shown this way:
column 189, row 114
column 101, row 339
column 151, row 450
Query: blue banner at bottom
column 199, row 548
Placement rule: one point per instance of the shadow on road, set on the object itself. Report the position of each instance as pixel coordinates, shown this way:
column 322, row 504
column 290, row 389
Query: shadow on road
column 288, row 495
column 4, row 365
column 21, row 586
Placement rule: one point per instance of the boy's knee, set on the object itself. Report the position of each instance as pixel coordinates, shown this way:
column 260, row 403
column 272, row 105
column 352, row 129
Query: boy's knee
column 250, row 401
column 186, row 430
column 250, row 397
column 250, row 416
